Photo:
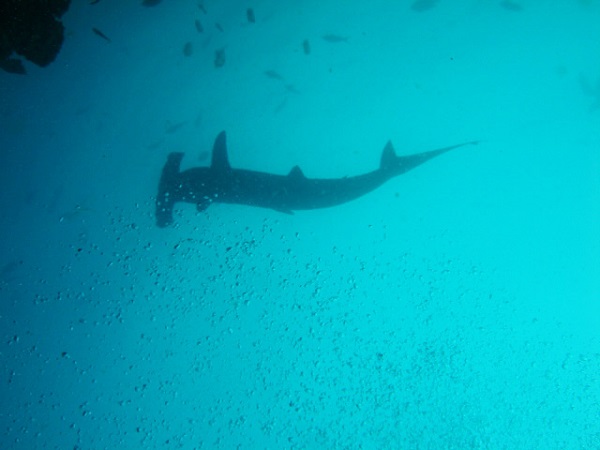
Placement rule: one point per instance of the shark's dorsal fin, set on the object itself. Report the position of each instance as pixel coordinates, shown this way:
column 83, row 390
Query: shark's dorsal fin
column 220, row 161
column 388, row 157
column 296, row 172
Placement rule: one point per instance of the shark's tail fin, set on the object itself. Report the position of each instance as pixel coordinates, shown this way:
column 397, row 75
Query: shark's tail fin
column 400, row 164
column 167, row 190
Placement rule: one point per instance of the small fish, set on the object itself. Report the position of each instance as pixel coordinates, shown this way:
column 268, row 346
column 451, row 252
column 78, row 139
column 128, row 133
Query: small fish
column 590, row 90
column 219, row 27
column 280, row 106
column 171, row 128
column 250, row 15
column 587, row 87
column 291, row 88
column 93, row 2
column 511, row 6
column 423, row 5
column 199, row 27
column 334, row 38
column 74, row 213
column 101, row 34
column 306, row 47
column 188, row 49
column 201, row 7
column 273, row 74
column 220, row 57
column 149, row 3
column 155, row 144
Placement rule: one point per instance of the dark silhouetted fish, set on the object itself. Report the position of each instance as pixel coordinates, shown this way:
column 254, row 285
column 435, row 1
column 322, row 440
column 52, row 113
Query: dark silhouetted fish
column 201, row 7
column 219, row 27
column 273, row 74
column 591, row 91
column 334, row 38
column 75, row 212
column 151, row 2
column 188, row 49
column 97, row 32
column 171, row 128
column 306, row 47
column 219, row 57
column 155, row 144
column 250, row 15
column 511, row 6
column 199, row 27
column 282, row 104
column 423, row 5
column 221, row 183
column 291, row 88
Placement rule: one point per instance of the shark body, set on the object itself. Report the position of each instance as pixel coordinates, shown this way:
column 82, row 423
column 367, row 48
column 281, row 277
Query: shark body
column 220, row 183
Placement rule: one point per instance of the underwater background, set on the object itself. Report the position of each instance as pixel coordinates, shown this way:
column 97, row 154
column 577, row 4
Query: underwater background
column 456, row 307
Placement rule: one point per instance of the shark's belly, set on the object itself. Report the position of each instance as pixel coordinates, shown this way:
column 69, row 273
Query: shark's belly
column 286, row 193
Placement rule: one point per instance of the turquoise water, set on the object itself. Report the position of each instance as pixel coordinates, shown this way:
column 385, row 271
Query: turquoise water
column 456, row 307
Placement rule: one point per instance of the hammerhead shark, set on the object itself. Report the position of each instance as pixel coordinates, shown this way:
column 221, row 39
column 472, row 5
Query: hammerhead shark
column 220, row 183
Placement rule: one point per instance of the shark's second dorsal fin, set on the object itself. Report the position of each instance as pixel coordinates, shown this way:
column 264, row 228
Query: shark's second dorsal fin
column 220, row 161
column 296, row 173
column 388, row 157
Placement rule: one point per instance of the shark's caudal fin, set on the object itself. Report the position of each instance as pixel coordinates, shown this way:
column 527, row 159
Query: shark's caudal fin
column 167, row 188
column 400, row 164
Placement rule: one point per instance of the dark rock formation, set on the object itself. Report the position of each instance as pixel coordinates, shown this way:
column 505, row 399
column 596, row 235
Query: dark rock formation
column 30, row 28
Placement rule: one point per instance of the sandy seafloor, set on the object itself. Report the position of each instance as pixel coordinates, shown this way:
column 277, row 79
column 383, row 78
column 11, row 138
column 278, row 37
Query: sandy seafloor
column 456, row 307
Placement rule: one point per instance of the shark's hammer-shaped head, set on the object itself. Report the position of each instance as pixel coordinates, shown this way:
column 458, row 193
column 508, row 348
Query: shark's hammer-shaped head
column 198, row 185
